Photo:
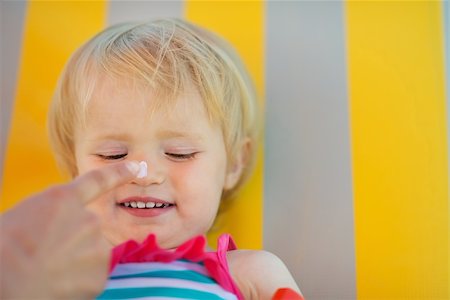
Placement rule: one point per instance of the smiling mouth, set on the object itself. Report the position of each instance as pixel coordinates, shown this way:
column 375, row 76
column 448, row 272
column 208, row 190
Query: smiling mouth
column 145, row 205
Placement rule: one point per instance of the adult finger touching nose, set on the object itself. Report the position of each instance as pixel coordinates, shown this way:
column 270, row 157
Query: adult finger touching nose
column 91, row 185
column 51, row 247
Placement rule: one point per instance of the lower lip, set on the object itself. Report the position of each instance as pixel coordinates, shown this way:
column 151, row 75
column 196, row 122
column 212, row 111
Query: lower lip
column 146, row 212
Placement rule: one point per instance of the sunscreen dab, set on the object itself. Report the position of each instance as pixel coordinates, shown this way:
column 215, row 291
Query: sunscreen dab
column 142, row 170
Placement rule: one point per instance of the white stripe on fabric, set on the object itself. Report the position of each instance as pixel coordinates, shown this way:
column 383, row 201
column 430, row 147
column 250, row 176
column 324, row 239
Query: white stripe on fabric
column 165, row 298
column 136, row 268
column 138, row 282
column 154, row 298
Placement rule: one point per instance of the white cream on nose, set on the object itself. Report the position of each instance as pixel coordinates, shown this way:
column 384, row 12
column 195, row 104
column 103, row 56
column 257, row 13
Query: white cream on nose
column 142, row 170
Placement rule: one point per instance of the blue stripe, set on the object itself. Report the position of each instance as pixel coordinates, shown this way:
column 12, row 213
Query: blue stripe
column 186, row 275
column 130, row 293
column 201, row 263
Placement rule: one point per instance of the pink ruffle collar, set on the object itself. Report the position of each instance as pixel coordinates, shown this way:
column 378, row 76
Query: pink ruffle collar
column 192, row 250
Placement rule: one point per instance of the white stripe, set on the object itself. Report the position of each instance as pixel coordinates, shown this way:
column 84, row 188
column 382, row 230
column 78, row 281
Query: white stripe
column 136, row 268
column 155, row 298
column 171, row 283
column 167, row 298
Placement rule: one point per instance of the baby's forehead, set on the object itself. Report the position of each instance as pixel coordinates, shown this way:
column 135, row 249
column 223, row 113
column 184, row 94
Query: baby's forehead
column 104, row 89
column 126, row 96
column 117, row 108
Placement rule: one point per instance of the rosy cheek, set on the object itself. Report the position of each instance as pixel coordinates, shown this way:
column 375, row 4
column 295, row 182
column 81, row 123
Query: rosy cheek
column 181, row 171
column 185, row 176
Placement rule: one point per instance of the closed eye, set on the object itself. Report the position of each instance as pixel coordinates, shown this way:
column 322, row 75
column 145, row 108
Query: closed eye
column 112, row 157
column 181, row 156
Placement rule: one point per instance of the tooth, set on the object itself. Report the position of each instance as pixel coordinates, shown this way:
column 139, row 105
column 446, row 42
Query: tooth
column 141, row 205
column 150, row 204
column 158, row 204
column 127, row 204
column 133, row 204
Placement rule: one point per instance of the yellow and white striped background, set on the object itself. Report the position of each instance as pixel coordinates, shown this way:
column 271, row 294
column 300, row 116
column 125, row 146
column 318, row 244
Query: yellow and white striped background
column 352, row 187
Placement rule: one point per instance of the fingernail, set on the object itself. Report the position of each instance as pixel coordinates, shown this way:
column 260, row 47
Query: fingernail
column 133, row 166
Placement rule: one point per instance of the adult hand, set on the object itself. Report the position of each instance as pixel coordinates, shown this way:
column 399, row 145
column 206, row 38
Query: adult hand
column 51, row 247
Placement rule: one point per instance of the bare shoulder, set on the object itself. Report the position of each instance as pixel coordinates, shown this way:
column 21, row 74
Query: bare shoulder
column 259, row 274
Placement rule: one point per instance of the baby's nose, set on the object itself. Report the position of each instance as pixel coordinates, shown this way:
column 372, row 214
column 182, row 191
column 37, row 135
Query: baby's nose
column 147, row 176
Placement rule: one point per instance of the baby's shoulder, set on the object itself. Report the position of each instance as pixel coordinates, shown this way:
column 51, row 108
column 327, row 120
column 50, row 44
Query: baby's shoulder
column 259, row 273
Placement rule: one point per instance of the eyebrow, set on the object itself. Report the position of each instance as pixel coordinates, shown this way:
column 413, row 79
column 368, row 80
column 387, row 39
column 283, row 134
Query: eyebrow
column 111, row 136
column 167, row 134
column 162, row 134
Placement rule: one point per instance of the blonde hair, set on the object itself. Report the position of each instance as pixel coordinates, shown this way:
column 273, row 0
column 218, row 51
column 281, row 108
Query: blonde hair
column 166, row 55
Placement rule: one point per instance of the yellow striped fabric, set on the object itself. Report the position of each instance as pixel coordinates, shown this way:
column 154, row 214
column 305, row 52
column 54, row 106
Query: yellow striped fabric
column 398, row 131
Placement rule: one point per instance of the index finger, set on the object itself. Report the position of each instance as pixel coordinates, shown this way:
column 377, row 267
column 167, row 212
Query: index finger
column 91, row 185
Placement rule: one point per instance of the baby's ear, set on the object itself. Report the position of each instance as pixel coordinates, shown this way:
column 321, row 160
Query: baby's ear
column 239, row 162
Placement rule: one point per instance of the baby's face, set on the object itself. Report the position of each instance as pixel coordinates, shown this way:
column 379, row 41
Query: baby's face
column 186, row 158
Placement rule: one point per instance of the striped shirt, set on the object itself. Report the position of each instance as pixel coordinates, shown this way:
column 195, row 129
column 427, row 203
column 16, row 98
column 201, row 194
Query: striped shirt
column 180, row 278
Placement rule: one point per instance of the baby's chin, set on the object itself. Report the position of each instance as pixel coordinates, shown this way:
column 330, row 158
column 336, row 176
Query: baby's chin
column 114, row 238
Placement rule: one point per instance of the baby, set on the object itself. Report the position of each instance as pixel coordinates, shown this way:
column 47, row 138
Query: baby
column 176, row 98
